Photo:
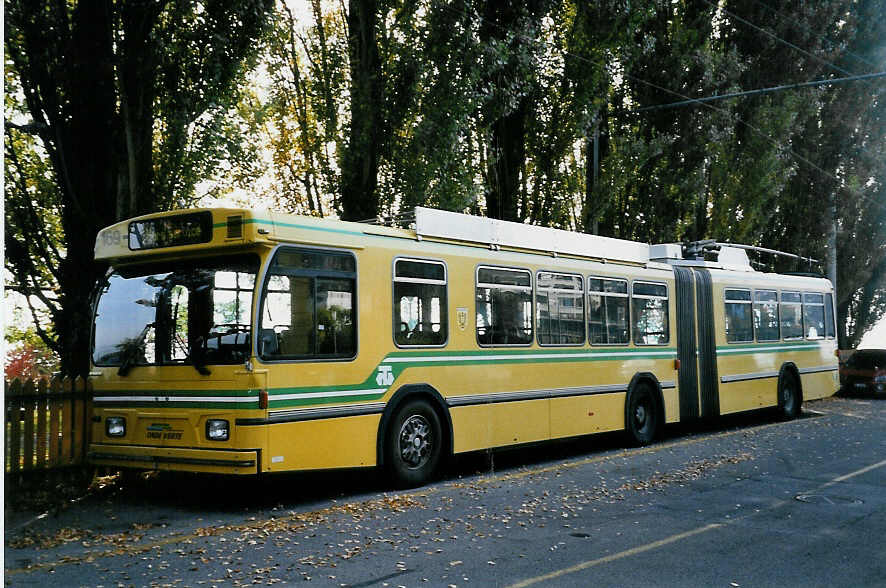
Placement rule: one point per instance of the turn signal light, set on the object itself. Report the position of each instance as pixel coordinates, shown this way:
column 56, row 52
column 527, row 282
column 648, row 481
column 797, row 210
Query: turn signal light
column 676, row 364
column 263, row 399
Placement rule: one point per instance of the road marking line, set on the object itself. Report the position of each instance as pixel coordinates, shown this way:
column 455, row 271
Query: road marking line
column 685, row 535
column 616, row 556
column 858, row 472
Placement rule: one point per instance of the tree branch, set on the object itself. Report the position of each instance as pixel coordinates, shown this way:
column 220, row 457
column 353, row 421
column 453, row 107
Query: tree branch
column 31, row 128
column 48, row 251
column 50, row 341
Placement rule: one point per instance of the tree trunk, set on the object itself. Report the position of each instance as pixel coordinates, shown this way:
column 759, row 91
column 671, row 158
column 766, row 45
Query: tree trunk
column 137, row 94
column 596, row 148
column 505, row 162
column 86, row 145
column 361, row 156
column 505, row 22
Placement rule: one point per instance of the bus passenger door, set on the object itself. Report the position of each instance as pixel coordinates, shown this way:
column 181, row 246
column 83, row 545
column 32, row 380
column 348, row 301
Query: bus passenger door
column 686, row 344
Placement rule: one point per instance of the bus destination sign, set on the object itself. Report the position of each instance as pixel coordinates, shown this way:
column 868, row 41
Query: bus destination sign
column 170, row 231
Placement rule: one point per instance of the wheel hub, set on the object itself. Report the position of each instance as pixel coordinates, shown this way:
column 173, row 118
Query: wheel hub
column 415, row 441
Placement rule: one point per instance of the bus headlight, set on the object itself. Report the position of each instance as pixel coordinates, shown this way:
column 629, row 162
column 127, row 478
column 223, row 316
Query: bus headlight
column 115, row 426
column 218, row 430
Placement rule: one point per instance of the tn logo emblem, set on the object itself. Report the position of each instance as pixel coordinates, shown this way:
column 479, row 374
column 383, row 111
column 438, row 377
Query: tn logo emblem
column 385, row 376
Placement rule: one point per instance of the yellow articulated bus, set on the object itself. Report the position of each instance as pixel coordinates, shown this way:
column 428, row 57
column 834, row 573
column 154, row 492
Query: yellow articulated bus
column 238, row 342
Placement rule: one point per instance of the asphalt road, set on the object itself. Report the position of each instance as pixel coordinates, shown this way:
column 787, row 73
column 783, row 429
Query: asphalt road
column 749, row 501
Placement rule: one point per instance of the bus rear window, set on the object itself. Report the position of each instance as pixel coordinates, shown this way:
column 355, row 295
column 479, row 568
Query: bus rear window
column 829, row 327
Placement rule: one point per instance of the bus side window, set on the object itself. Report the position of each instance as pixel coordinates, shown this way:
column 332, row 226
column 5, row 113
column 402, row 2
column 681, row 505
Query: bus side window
column 739, row 322
column 813, row 315
column 608, row 312
column 766, row 315
column 559, row 302
column 309, row 304
column 649, row 304
column 504, row 306
column 791, row 311
column 420, row 309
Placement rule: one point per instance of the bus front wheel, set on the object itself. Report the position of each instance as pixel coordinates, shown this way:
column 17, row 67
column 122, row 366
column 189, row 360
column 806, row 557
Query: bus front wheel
column 641, row 415
column 413, row 444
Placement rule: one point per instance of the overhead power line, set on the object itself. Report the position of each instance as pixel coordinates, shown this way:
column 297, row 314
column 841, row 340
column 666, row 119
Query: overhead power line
column 769, row 90
column 778, row 39
column 794, row 22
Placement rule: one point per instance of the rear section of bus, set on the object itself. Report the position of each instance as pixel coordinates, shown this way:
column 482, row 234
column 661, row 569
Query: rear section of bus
column 171, row 368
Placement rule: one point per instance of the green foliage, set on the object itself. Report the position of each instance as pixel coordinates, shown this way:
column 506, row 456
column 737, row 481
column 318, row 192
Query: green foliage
column 33, row 231
column 128, row 105
column 302, row 115
column 430, row 154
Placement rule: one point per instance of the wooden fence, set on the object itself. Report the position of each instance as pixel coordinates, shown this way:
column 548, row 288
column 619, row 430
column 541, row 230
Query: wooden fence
column 47, row 423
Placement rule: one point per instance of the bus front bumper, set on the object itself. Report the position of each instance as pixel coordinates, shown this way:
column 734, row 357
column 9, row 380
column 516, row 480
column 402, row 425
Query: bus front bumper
column 220, row 461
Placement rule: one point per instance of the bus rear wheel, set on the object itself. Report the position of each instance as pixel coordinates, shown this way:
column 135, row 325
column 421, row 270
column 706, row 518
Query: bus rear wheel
column 641, row 415
column 413, row 444
column 788, row 397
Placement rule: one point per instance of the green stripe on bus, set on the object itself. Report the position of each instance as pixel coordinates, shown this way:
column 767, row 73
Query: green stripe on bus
column 315, row 401
column 449, row 358
column 394, row 365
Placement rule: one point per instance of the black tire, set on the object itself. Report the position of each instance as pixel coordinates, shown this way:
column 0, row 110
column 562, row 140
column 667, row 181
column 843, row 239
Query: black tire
column 789, row 398
column 641, row 414
column 413, row 444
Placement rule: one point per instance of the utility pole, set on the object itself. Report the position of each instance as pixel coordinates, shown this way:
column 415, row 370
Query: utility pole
column 832, row 253
column 596, row 174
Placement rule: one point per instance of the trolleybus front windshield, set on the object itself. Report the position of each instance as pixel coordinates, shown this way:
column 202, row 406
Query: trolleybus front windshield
column 185, row 312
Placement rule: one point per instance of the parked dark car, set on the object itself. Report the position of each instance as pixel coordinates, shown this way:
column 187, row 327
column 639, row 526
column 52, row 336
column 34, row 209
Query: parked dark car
column 864, row 371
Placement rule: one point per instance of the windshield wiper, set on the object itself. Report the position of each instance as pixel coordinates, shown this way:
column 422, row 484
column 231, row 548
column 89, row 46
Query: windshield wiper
column 131, row 351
